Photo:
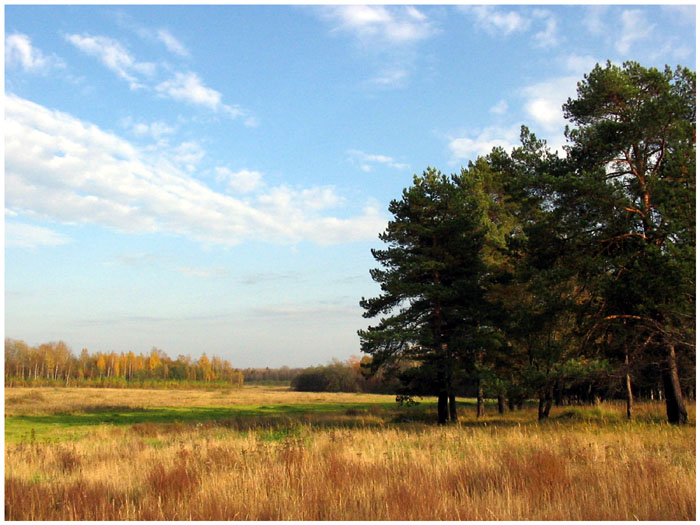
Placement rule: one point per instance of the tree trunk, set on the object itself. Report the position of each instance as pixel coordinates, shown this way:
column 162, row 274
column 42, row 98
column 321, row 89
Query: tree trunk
column 511, row 404
column 453, row 408
column 501, row 404
column 675, row 407
column 442, row 408
column 544, row 405
column 628, row 385
column 480, row 412
column 559, row 394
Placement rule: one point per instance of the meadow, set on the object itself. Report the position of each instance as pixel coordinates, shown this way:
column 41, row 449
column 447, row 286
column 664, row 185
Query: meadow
column 266, row 453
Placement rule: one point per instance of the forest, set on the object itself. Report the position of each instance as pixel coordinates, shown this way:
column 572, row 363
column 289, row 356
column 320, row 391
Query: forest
column 55, row 364
column 535, row 275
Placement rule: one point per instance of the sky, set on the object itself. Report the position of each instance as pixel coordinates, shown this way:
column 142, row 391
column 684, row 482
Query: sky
column 212, row 179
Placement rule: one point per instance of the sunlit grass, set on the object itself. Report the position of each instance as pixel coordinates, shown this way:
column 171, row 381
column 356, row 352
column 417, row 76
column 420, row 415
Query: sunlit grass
column 288, row 456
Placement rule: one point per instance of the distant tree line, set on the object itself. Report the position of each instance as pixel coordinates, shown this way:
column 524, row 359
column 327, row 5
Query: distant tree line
column 534, row 275
column 345, row 376
column 55, row 363
column 270, row 376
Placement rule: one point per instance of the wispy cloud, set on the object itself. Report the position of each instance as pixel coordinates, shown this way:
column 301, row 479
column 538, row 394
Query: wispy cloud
column 30, row 236
column 635, row 27
column 241, row 181
column 395, row 76
column 500, row 108
column 368, row 161
column 19, row 51
column 481, row 142
column 136, row 259
column 155, row 130
column 114, row 56
column 188, row 87
column 544, row 100
column 259, row 278
column 204, row 272
column 389, row 25
column 497, row 21
column 182, row 86
column 305, row 311
column 171, row 43
column 503, row 22
column 594, row 19
column 61, row 168
column 387, row 35
column 547, row 37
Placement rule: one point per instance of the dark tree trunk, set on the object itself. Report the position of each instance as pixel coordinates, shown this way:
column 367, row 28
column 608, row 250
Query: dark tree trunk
column 501, row 404
column 442, row 408
column 628, row 385
column 480, row 412
column 544, row 405
column 559, row 394
column 511, row 404
column 675, row 407
column 453, row 407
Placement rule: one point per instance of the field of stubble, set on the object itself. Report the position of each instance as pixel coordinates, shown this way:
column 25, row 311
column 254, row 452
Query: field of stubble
column 271, row 454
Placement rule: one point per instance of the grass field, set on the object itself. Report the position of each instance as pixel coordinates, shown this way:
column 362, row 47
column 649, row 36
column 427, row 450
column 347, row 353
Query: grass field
column 267, row 453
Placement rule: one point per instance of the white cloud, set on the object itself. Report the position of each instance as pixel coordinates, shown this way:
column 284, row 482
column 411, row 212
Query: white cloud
column 188, row 154
column 497, row 21
column 155, row 130
column 171, row 43
column 548, row 36
column 482, row 142
column 242, row 181
column 394, row 25
column 580, row 65
column 367, row 161
column 594, row 19
column 284, row 200
column 114, row 56
column 63, row 169
column 188, row 87
column 680, row 14
column 30, row 236
column 391, row 77
column 500, row 108
column 544, row 100
column 19, row 51
column 183, row 86
column 635, row 27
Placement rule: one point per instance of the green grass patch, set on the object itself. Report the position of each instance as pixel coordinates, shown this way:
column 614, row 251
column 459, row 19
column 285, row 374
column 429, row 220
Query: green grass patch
column 70, row 426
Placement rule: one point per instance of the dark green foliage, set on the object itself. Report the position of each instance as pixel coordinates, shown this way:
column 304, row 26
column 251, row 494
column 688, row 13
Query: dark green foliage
column 431, row 282
column 336, row 377
column 632, row 159
column 536, row 275
column 340, row 376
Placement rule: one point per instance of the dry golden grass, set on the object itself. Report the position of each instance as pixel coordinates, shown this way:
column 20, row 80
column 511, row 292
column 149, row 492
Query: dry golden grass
column 583, row 465
column 54, row 400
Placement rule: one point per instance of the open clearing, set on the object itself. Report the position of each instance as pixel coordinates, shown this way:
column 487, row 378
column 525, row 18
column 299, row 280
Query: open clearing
column 267, row 453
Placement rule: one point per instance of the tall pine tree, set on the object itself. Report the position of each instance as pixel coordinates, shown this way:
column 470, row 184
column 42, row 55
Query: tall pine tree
column 631, row 206
column 431, row 282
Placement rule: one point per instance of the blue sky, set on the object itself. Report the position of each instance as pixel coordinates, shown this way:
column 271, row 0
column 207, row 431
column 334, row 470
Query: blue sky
column 212, row 179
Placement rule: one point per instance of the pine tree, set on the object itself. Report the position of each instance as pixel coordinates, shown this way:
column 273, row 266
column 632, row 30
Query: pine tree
column 431, row 284
column 631, row 207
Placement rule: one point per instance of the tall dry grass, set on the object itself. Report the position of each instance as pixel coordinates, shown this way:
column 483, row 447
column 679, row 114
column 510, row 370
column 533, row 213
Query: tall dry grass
column 70, row 400
column 577, row 467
